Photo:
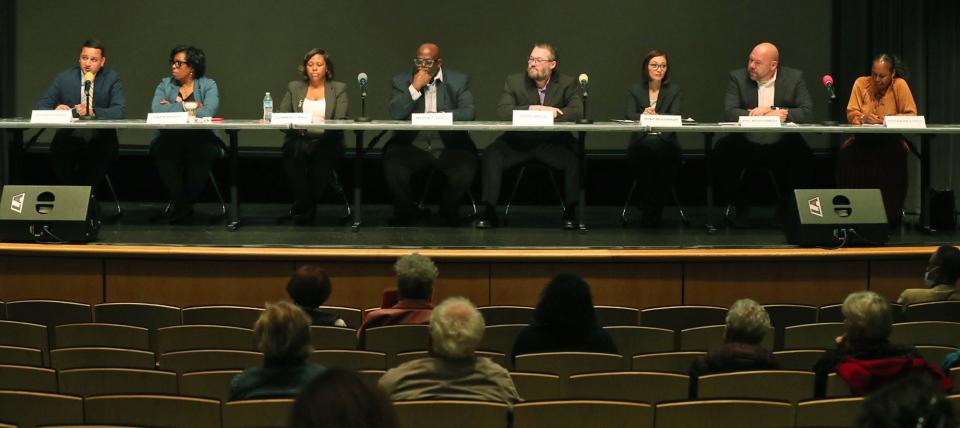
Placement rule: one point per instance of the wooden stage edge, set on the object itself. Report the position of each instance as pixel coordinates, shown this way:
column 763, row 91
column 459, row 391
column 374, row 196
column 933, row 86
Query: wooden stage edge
column 492, row 254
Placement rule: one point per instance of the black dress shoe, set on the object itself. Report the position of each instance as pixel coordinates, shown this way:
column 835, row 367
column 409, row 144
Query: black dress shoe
column 488, row 218
column 569, row 219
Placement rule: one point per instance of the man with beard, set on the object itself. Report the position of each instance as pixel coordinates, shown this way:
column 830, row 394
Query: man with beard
column 540, row 88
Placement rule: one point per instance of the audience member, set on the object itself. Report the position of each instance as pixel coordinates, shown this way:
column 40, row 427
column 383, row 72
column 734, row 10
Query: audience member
column 564, row 320
column 941, row 276
column 914, row 401
column 309, row 287
column 415, row 276
column 339, row 398
column 283, row 335
column 453, row 371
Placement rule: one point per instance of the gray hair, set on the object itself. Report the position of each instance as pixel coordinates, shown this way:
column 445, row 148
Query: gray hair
column 456, row 328
column 747, row 322
column 868, row 318
column 415, row 276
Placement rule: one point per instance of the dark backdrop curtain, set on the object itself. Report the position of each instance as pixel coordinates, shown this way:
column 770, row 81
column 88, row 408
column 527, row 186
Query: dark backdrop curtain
column 925, row 34
column 8, row 97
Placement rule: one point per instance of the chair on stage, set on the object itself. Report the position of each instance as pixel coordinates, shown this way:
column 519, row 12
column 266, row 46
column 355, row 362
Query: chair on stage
column 625, row 212
column 30, row 409
column 537, row 386
column 92, row 357
column 609, row 316
column 213, row 384
column 208, row 360
column 26, row 335
column 227, row 316
column 832, row 412
column 933, row 311
column 822, row 335
column 798, row 359
column 725, row 414
column 524, row 166
column 647, row 387
column 583, row 413
column 669, row 362
column 712, row 337
column 89, row 382
column 777, row 385
column 189, row 337
column 18, row 356
column 350, row 359
column 500, row 338
column 151, row 410
column 636, row 340
column 323, row 337
column 939, row 333
column 101, row 335
column 500, row 315
column 394, row 339
column 25, row 378
column 442, row 413
column 274, row 412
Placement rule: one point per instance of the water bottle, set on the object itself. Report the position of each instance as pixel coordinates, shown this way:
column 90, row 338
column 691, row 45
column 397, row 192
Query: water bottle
column 267, row 107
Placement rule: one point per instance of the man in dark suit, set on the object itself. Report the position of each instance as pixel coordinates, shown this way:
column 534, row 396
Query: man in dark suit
column 83, row 156
column 540, row 88
column 764, row 88
column 429, row 88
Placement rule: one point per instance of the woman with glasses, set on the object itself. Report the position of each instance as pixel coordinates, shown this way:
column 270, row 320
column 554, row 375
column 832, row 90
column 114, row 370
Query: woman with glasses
column 311, row 158
column 653, row 158
column 184, row 157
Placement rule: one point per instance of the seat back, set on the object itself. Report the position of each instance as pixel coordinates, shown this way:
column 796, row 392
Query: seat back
column 440, row 413
column 49, row 313
column 565, row 364
column 837, row 386
column 90, row 357
column 617, row 316
column 207, row 360
column 273, row 412
column 669, row 362
column 500, row 338
column 933, row 311
column 647, row 387
column 778, row 385
column 938, row 333
column 711, row 337
column 30, row 409
column 350, row 359
column 322, row 337
column 500, row 315
column 25, row 378
column 834, row 313
column 582, row 413
column 833, row 412
column 786, row 315
column 798, row 359
column 636, row 340
column 725, row 413
column 934, row 355
column 17, row 356
column 682, row 317
column 147, row 315
column 538, row 386
column 822, row 335
column 954, row 374
column 101, row 335
column 26, row 335
column 190, row 337
column 87, row 382
column 214, row 384
column 353, row 317
column 496, row 357
column 151, row 410
column 394, row 339
column 229, row 316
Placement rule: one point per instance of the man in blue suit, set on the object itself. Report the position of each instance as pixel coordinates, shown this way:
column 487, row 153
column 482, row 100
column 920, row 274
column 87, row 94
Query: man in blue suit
column 429, row 88
column 83, row 156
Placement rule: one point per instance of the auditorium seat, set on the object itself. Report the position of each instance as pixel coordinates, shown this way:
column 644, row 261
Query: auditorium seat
column 933, row 311
column 837, row 387
column 955, row 401
column 786, row 315
column 353, row 317
column 617, row 316
column 955, row 377
column 333, row 337
column 443, row 413
column 774, row 385
column 101, row 335
column 798, row 359
column 500, row 338
column 935, row 354
column 725, row 414
column 146, row 315
column 30, row 409
column 496, row 357
column 565, row 364
column 582, row 413
column 213, row 384
column 230, row 316
column 18, row 356
column 274, row 412
column 833, row 313
column 635, row 340
column 537, row 386
column 3, row 310
column 711, row 337
column 395, row 339
column 822, row 335
column 26, row 378
column 939, row 333
column 647, row 387
column 832, row 412
column 669, row 362
column 350, row 359
column 50, row 313
column 679, row 318
column 499, row 315
column 26, row 335
column 371, row 377
column 151, row 410
column 109, row 381
column 207, row 360
column 188, row 337
column 92, row 357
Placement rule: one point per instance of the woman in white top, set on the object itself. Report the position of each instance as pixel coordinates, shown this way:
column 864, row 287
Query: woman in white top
column 310, row 158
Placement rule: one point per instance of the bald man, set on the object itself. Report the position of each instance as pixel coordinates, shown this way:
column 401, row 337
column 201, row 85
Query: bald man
column 429, row 88
column 764, row 88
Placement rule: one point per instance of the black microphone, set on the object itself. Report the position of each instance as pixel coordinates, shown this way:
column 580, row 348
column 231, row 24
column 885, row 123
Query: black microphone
column 362, row 80
column 828, row 83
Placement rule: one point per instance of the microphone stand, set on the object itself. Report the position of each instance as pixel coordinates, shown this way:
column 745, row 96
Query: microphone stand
column 363, row 106
column 86, row 95
column 584, row 120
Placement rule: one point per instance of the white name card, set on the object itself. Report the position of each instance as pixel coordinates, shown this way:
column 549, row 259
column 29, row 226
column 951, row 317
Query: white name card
column 291, row 118
column 661, row 120
column 759, row 121
column 533, row 118
column 905, row 122
column 175, row 118
column 51, row 116
column 432, row 118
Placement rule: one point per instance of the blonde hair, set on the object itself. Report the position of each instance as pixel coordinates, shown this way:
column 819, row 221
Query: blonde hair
column 283, row 332
column 456, row 328
column 867, row 316
column 415, row 276
column 747, row 321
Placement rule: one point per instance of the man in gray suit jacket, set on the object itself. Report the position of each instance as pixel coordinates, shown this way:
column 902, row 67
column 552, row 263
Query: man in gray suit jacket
column 764, row 88
column 429, row 88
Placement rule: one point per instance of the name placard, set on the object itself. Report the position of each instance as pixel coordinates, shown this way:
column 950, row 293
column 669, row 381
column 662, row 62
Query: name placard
column 51, row 116
column 431, row 118
column 532, row 118
column 661, row 120
column 175, row 118
column 905, row 122
column 291, row 118
column 759, row 121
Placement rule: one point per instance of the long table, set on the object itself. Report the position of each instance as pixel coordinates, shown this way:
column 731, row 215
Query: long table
column 232, row 127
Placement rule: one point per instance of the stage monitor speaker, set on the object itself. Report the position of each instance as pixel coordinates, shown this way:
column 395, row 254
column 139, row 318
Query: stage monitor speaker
column 835, row 217
column 48, row 214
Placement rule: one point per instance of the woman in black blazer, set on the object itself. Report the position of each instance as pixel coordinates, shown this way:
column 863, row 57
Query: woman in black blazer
column 653, row 158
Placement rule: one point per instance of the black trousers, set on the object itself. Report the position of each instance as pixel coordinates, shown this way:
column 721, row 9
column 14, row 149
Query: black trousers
column 654, row 161
column 79, row 162
column 184, row 159
column 457, row 161
column 556, row 149
column 310, row 163
column 867, row 161
column 790, row 160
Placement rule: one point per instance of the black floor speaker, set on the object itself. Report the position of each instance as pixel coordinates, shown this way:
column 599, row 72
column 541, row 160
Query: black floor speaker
column 48, row 214
column 834, row 217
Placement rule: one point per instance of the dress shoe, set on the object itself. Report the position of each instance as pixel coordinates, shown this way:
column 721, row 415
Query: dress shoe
column 569, row 218
column 488, row 218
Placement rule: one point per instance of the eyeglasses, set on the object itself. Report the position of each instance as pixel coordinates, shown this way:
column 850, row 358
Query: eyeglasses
column 420, row 62
column 177, row 63
column 657, row 66
column 537, row 61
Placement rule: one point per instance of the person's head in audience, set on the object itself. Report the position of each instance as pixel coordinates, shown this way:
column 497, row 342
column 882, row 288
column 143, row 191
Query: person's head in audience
column 339, row 398
column 566, row 303
column 943, row 267
column 282, row 333
column 309, row 286
column 415, row 276
column 456, row 328
column 747, row 322
column 763, row 61
column 868, row 319
column 914, row 401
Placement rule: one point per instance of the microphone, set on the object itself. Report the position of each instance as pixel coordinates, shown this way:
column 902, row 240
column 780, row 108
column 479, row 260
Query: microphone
column 584, row 79
column 87, row 83
column 828, row 83
column 362, row 80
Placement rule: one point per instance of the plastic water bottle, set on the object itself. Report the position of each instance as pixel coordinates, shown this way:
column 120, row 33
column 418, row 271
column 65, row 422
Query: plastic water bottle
column 267, row 107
